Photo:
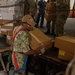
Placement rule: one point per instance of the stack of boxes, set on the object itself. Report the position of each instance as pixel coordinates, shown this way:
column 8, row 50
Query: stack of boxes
column 4, row 27
column 7, row 30
column 10, row 11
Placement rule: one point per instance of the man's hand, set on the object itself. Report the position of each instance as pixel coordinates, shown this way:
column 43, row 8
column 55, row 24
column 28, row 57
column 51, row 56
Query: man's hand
column 42, row 51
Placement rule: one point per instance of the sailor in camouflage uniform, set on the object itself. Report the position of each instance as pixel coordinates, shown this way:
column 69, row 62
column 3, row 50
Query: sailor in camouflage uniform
column 62, row 12
column 21, row 43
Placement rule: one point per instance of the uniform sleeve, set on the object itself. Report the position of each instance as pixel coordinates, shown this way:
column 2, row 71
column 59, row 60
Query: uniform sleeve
column 21, row 42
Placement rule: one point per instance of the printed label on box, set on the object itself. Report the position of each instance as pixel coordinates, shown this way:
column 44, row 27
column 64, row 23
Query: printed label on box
column 61, row 52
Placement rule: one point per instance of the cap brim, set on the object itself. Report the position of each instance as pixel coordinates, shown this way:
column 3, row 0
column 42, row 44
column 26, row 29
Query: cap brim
column 32, row 23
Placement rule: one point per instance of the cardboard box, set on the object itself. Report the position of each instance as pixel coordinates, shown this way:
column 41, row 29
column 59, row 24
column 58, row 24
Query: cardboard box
column 6, row 27
column 39, row 40
column 3, row 31
column 2, row 21
column 9, row 39
column 66, row 45
column 65, row 55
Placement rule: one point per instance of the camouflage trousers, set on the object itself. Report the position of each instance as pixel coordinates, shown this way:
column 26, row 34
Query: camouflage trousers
column 60, row 22
column 51, row 26
column 20, row 61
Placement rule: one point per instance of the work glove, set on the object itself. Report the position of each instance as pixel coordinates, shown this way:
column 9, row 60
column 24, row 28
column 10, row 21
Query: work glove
column 42, row 51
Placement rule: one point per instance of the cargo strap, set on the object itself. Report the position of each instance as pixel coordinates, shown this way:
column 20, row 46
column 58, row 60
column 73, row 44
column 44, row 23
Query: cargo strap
column 17, row 32
column 18, row 70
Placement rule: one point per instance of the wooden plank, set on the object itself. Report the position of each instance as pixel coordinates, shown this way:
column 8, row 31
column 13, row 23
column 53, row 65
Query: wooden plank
column 2, row 21
column 5, row 49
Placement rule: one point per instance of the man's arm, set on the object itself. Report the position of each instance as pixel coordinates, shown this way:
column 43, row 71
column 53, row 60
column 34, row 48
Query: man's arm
column 32, row 52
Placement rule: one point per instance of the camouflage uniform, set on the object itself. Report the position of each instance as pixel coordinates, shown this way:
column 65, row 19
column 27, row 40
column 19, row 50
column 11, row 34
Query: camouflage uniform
column 21, row 43
column 30, row 7
column 33, row 8
column 62, row 12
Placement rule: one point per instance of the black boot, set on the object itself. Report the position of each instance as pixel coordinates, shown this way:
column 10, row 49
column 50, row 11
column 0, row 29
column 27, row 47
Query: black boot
column 47, row 32
column 53, row 34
